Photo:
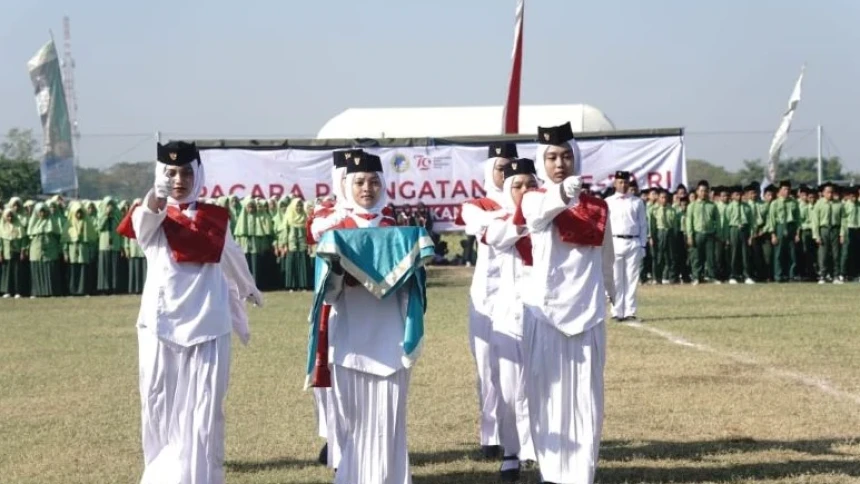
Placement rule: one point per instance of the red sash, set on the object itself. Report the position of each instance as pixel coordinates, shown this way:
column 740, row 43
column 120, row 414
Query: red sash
column 485, row 204
column 584, row 224
column 523, row 245
column 199, row 240
column 325, row 209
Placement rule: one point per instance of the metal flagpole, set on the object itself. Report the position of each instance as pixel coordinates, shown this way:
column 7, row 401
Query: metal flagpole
column 818, row 130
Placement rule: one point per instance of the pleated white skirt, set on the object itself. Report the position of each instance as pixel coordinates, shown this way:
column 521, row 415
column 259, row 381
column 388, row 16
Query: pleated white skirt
column 370, row 420
column 564, row 378
column 182, row 393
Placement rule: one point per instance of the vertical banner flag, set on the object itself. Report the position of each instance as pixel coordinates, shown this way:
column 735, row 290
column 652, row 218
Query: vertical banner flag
column 58, row 162
column 782, row 132
column 511, row 122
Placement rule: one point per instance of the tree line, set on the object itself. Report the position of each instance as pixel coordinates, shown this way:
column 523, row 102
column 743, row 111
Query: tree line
column 19, row 172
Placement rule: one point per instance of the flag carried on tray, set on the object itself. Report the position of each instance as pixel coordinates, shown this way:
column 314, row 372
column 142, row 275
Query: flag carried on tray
column 58, row 161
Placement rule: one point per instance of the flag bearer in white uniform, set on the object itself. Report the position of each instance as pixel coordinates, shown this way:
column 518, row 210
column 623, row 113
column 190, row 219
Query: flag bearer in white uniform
column 326, row 215
column 513, row 251
column 564, row 333
column 196, row 281
column 476, row 215
column 629, row 220
column 370, row 373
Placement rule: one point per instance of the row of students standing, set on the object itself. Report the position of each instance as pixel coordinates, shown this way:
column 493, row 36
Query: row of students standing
column 733, row 234
column 48, row 249
column 538, row 300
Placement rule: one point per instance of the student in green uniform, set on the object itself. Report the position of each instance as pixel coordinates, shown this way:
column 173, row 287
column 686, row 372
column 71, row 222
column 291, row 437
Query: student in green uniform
column 826, row 222
column 682, row 261
column 13, row 243
column 110, row 247
column 662, row 238
column 738, row 219
column 78, row 250
column 269, row 267
column 764, row 264
column 136, row 261
column 251, row 235
column 721, row 247
column 783, row 218
column 298, row 262
column 849, row 235
column 805, row 243
column 281, row 233
column 44, row 235
column 703, row 225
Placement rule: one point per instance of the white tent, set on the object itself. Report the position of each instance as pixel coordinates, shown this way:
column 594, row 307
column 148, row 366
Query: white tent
column 457, row 121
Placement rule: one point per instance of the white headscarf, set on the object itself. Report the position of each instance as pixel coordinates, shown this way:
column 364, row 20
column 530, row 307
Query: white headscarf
column 352, row 204
column 199, row 181
column 507, row 201
column 494, row 193
column 337, row 184
column 540, row 166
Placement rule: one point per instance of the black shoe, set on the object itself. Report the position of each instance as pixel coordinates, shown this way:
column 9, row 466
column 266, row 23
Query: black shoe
column 617, row 319
column 512, row 474
column 491, row 452
column 632, row 319
column 323, row 457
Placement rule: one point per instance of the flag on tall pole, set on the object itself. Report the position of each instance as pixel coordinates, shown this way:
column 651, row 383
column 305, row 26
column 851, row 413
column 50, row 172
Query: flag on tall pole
column 782, row 132
column 511, row 116
column 57, row 167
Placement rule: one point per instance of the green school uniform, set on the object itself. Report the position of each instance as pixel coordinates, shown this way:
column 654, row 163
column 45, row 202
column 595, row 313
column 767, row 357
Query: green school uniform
column 784, row 222
column 78, row 244
column 849, row 233
column 44, row 235
column 14, row 271
column 739, row 219
column 703, row 225
column 826, row 222
column 663, row 229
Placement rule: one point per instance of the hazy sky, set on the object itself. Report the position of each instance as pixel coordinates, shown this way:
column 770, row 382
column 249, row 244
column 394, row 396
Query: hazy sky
column 265, row 68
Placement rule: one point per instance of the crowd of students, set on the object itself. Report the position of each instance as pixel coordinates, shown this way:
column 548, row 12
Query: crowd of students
column 71, row 248
column 748, row 235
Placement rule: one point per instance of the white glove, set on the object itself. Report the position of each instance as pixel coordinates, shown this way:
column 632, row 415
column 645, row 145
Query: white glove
column 162, row 186
column 256, row 298
column 572, row 185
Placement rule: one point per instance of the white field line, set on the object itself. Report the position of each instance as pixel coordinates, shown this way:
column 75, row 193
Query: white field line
column 817, row 383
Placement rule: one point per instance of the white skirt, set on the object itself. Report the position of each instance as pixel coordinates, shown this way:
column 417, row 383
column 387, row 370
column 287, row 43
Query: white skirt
column 370, row 420
column 564, row 378
column 182, row 392
column 480, row 336
column 513, row 413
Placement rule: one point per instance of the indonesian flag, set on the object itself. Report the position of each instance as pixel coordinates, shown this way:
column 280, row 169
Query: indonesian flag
column 511, row 121
column 782, row 132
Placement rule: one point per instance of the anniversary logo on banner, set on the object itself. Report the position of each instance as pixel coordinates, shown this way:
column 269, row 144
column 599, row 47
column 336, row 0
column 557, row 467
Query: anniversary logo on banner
column 440, row 177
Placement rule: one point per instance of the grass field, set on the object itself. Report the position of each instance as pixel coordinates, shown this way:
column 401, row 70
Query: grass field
column 721, row 384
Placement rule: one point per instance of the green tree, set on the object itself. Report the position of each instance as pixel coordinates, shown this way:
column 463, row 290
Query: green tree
column 19, row 168
column 703, row 170
column 19, row 145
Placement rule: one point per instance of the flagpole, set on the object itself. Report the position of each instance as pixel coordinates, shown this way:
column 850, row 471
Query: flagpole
column 818, row 130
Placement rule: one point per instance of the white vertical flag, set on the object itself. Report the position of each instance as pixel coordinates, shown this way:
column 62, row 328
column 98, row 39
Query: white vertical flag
column 782, row 132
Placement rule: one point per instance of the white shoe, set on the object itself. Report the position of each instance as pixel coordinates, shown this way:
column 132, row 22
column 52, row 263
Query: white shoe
column 822, row 281
column 733, row 281
column 6, row 296
column 696, row 282
column 749, row 281
column 667, row 282
column 838, row 281
column 17, row 296
column 717, row 281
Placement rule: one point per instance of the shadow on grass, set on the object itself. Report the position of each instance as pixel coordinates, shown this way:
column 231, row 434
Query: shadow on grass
column 622, row 450
column 718, row 317
column 243, row 466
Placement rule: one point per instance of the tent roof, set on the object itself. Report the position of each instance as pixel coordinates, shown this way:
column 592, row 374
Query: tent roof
column 457, row 121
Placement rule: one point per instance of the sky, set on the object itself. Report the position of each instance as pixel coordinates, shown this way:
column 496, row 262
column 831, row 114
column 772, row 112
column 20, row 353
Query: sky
column 723, row 70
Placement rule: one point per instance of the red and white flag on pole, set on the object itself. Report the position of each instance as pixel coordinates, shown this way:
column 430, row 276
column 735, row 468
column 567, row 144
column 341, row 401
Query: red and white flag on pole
column 511, row 121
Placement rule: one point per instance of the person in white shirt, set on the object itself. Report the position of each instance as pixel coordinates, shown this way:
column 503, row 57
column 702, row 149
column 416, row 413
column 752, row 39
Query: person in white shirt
column 196, row 281
column 564, row 334
column 370, row 373
column 629, row 218
column 323, row 218
column 475, row 215
column 513, row 253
